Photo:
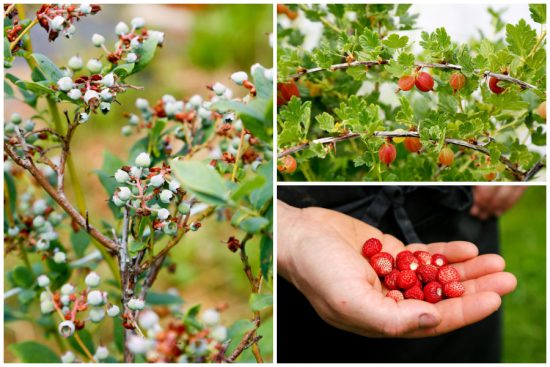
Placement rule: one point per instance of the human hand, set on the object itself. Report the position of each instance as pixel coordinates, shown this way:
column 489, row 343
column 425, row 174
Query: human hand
column 492, row 201
column 319, row 251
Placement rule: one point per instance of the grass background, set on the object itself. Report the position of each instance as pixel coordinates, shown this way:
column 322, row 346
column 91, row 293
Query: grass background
column 523, row 239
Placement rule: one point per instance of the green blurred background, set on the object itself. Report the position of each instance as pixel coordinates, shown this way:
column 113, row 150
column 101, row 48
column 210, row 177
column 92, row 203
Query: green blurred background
column 203, row 44
column 523, row 246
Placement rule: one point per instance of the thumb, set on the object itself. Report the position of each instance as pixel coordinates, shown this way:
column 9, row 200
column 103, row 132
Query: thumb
column 414, row 315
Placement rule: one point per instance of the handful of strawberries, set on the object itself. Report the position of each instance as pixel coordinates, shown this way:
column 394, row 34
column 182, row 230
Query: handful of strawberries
column 419, row 275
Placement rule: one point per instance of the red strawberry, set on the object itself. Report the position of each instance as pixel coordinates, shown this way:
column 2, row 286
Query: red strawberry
column 403, row 254
column 406, row 279
column 414, row 293
column 406, row 261
column 396, row 295
column 439, row 260
column 452, row 289
column 418, row 283
column 390, row 280
column 433, row 292
column 424, row 257
column 427, row 273
column 447, row 274
column 381, row 264
column 371, row 247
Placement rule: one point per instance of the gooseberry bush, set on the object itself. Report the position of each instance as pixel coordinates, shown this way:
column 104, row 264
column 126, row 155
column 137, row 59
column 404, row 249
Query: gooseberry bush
column 367, row 103
column 199, row 161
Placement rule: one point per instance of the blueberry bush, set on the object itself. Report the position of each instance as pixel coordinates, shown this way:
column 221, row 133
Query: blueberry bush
column 202, row 161
column 472, row 111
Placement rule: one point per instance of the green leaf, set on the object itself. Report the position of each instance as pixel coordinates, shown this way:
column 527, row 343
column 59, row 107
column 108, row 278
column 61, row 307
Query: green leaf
column 256, row 115
column 39, row 88
column 145, row 54
column 262, row 195
column 10, row 193
column 240, row 327
column 254, row 224
column 32, row 352
column 22, row 277
column 154, row 136
column 154, row 298
column 395, row 41
column 202, row 180
column 266, row 256
column 538, row 13
column 136, row 246
column 48, row 68
column 247, row 186
column 260, row 301
column 80, row 241
column 123, row 70
column 29, row 97
column 520, row 38
column 190, row 318
column 325, row 121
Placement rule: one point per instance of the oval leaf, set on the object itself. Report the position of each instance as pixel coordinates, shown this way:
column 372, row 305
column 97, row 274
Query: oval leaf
column 202, row 181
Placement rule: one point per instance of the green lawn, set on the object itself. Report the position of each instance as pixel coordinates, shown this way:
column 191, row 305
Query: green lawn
column 523, row 239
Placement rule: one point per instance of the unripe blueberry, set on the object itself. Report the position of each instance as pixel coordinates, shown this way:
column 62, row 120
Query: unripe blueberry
column 113, row 311
column 89, row 95
column 44, row 296
column 126, row 130
column 38, row 221
column 163, row 214
column 156, row 36
column 39, row 207
column 95, row 298
column 42, row 244
column 50, row 234
column 83, row 117
column 117, row 201
column 195, row 100
column 174, row 185
column 142, row 104
column 446, row 156
column 9, row 128
column 288, row 164
column 75, row 63
column 58, row 23
column 60, row 257
column 143, row 160
column 101, row 353
column 121, row 28
column 135, row 172
column 219, row 333
column 124, row 193
column 210, row 317
column 424, row 82
column 67, row 289
column 55, row 218
column 69, row 31
column 157, row 181
column 16, row 118
column 43, row 281
column 179, row 133
column 74, row 94
column 92, row 280
column 68, row 357
column 136, row 304
column 65, row 84
column 98, row 40
column 106, row 95
column 65, row 300
column 170, row 228
column 108, row 80
column 148, row 319
column 268, row 74
column 457, row 81
column 204, row 113
column 194, row 226
column 122, row 176
column 85, row 8
column 138, row 345
column 131, row 58
column 170, row 109
column 46, row 307
column 494, row 85
column 138, row 22
column 239, row 77
column 13, row 231
column 133, row 120
column 387, row 153
column 166, row 196
column 134, row 43
column 405, row 83
column 96, row 314
column 184, row 208
column 105, row 107
column 219, row 89
column 94, row 65
column 66, row 328
column 29, row 125
column 413, row 145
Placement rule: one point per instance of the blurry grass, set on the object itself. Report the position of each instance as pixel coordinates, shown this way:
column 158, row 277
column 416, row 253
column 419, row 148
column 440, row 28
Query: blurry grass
column 523, row 241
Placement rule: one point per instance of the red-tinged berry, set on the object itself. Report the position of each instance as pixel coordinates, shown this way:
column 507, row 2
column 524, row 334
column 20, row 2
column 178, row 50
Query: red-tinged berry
column 381, row 264
column 371, row 247
column 390, row 280
column 490, row 176
column 494, row 85
column 447, row 274
column 424, row 257
column 424, row 82
column 446, row 156
column 541, row 110
column 407, row 262
column 427, row 273
column 403, row 254
column 433, row 292
column 387, row 153
column 405, row 83
column 285, row 91
column 418, row 283
column 406, row 279
column 288, row 164
column 414, row 293
column 457, row 81
column 453, row 289
column 413, row 145
column 439, row 260
column 396, row 295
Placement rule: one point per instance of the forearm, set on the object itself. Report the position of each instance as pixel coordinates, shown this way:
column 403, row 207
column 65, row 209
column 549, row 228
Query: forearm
column 288, row 232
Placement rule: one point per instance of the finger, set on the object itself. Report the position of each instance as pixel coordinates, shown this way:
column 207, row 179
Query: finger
column 500, row 283
column 514, row 193
column 480, row 266
column 459, row 312
column 482, row 196
column 500, row 200
column 455, row 251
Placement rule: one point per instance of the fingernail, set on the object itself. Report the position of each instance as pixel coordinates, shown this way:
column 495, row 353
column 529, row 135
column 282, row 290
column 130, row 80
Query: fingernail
column 427, row 320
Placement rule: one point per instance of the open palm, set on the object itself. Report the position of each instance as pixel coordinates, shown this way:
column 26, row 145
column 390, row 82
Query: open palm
column 322, row 257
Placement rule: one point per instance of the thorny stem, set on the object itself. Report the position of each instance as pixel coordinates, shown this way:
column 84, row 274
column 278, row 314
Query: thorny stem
column 25, row 31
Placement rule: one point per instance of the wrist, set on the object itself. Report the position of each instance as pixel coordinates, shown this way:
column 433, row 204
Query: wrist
column 288, row 235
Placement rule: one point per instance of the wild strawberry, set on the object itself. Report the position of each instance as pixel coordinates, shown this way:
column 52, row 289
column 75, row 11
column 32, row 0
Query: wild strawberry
column 433, row 292
column 390, row 280
column 439, row 260
column 424, row 257
column 288, row 164
column 414, row 293
column 406, row 261
column 396, row 295
column 406, row 279
column 453, row 289
column 387, row 153
column 413, row 145
column 457, row 81
column 427, row 273
column 494, row 87
column 381, row 264
column 405, row 83
column 446, row 156
column 403, row 254
column 424, row 82
column 371, row 247
column 447, row 274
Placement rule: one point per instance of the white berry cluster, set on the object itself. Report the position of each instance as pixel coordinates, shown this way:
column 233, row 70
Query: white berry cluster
column 59, row 19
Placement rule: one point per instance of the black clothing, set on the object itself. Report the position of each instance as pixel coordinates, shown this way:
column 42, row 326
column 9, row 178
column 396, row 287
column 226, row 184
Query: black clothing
column 422, row 214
